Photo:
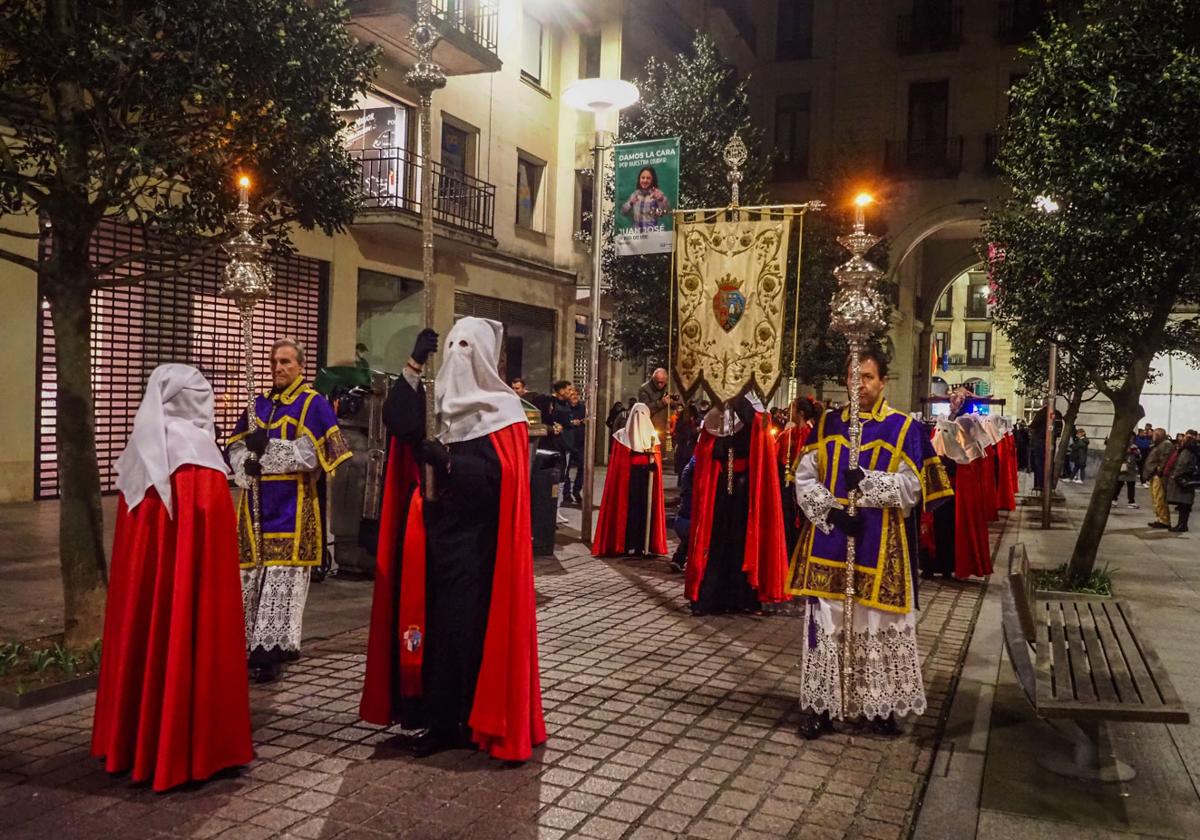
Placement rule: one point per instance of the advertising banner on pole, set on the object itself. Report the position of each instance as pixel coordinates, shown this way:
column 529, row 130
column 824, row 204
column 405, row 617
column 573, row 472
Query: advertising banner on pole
column 647, row 189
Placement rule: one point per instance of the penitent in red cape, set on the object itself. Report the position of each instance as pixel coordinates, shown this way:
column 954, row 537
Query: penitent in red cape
column 765, row 558
column 506, row 716
column 173, row 703
column 614, row 505
column 393, row 667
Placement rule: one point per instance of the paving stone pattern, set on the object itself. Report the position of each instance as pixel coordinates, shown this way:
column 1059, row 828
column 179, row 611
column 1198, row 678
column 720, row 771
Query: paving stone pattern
column 661, row 725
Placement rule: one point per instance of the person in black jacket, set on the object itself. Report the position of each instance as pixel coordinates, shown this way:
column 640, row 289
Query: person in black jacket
column 569, row 413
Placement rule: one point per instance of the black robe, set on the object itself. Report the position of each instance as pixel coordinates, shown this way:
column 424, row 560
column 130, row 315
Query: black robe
column 724, row 587
column 461, row 528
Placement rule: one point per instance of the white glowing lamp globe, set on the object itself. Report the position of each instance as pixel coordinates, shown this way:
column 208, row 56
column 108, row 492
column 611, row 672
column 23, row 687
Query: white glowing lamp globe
column 600, row 96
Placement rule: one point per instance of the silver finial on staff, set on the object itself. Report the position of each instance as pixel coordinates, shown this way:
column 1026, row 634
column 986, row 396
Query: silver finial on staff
column 858, row 314
column 247, row 281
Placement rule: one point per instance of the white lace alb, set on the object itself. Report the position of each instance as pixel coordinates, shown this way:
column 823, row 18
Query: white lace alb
column 887, row 672
column 816, row 501
column 880, row 490
column 281, row 610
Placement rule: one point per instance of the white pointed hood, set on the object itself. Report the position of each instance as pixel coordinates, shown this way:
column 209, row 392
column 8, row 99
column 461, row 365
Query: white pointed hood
column 638, row 434
column 472, row 399
column 173, row 427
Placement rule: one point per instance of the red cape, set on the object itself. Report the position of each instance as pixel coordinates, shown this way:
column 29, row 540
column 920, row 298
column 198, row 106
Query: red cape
column 173, row 703
column 972, row 548
column 765, row 557
column 384, row 646
column 1007, row 450
column 614, row 506
column 506, row 716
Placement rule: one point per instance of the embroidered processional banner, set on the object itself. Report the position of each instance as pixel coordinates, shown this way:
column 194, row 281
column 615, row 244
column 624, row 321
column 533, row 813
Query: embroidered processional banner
column 731, row 280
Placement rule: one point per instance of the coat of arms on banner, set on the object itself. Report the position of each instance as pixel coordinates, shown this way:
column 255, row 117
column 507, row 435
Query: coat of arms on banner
column 731, row 303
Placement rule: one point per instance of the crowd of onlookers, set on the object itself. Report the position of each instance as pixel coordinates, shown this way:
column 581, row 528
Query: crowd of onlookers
column 1168, row 467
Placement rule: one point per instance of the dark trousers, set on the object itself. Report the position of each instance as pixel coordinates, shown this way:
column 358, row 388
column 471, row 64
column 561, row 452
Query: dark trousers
column 574, row 461
column 1128, row 490
column 1183, row 513
column 1037, row 463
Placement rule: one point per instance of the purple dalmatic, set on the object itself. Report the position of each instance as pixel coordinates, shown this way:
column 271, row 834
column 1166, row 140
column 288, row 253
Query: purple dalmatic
column 303, row 439
column 891, row 442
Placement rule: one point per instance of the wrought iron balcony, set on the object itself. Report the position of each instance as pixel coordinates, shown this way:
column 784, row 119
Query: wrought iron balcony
column 469, row 30
column 929, row 32
column 391, row 180
column 940, row 158
column 1016, row 20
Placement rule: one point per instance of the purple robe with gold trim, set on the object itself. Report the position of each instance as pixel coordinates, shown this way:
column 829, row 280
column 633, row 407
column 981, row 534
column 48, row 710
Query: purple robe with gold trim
column 292, row 534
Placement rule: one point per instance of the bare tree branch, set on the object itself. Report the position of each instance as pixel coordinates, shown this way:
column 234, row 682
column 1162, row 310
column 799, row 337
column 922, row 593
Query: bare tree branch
column 17, row 259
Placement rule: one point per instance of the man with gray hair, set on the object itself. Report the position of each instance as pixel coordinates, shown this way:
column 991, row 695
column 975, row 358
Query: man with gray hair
column 294, row 438
column 1152, row 472
column 653, row 394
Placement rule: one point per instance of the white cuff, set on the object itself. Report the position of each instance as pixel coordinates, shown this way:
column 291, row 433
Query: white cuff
column 880, row 490
column 816, row 502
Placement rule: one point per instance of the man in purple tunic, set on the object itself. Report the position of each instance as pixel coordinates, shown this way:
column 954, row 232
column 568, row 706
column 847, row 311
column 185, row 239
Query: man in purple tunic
column 295, row 438
column 887, row 667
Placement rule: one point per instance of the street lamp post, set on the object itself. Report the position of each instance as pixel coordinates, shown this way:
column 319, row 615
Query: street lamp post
column 1048, row 205
column 599, row 96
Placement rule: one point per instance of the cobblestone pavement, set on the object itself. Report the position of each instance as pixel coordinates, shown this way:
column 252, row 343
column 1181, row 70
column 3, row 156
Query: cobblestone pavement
column 661, row 725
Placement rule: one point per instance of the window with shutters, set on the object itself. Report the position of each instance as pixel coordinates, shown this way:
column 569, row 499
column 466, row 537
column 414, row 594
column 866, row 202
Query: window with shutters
column 529, row 335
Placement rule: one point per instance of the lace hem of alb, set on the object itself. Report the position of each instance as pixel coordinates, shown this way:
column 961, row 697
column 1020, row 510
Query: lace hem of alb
column 887, row 674
column 281, row 609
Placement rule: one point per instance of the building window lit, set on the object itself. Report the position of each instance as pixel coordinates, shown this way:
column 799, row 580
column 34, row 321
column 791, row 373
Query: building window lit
column 532, row 38
column 529, row 186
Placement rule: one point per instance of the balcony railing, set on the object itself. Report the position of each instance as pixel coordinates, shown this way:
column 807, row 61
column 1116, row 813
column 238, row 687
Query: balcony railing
column 929, row 32
column 1016, row 20
column 479, row 20
column 391, row 179
column 940, row 158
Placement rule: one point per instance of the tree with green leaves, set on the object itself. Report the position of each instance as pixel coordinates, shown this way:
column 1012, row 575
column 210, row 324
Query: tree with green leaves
column 142, row 113
column 697, row 97
column 1104, row 126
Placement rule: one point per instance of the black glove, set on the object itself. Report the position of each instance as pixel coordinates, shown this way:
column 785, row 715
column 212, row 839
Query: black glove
column 425, row 344
column 256, row 441
column 849, row 525
column 252, row 467
column 435, row 453
column 744, row 411
column 854, row 477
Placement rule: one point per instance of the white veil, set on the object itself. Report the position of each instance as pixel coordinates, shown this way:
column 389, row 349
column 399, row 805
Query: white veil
column 472, row 399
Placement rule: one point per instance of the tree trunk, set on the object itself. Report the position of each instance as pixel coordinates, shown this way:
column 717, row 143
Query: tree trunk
column 66, row 285
column 1127, row 413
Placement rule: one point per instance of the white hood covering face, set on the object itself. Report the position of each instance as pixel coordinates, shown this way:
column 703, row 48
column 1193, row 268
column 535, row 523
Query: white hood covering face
column 472, row 399
column 638, row 434
column 173, row 427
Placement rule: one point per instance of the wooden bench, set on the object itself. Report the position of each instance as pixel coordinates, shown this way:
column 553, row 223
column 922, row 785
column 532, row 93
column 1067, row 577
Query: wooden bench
column 1090, row 664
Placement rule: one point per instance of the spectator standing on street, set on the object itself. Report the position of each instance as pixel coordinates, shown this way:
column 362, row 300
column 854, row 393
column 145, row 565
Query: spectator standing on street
column 1129, row 474
column 687, row 432
column 1077, row 455
column 1152, row 472
column 1143, row 440
column 1181, row 473
column 570, row 414
column 683, row 516
column 616, row 418
column 653, row 394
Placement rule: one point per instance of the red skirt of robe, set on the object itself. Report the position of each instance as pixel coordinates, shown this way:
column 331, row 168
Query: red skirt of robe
column 1007, row 451
column 972, row 549
column 987, row 472
column 173, row 703
column 614, row 506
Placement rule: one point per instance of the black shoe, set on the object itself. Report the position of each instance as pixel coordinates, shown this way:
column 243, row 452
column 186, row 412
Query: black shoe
column 291, row 656
column 266, row 673
column 1159, row 525
column 926, row 574
column 578, row 500
column 814, row 725
column 885, row 726
column 1178, row 529
column 677, row 566
column 698, row 610
column 430, row 742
